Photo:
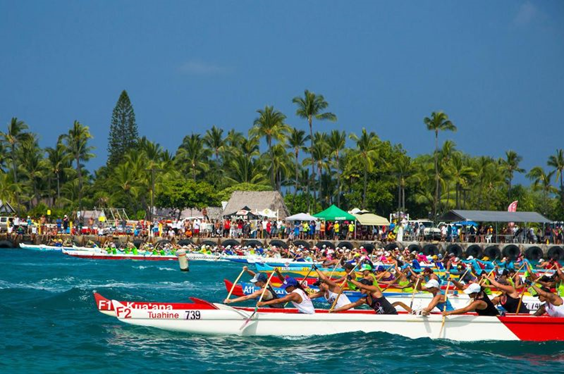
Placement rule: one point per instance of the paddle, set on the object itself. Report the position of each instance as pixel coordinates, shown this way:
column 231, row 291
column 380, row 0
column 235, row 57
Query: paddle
column 341, row 286
column 522, row 294
column 338, row 263
column 444, row 309
column 235, row 283
column 260, row 299
column 414, row 293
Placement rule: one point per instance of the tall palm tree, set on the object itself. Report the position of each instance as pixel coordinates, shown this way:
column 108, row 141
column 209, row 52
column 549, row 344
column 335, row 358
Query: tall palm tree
column 461, row 174
column 76, row 141
column 245, row 170
column 309, row 107
column 438, row 121
column 368, row 145
column 336, row 144
column 270, row 124
column 34, row 167
column 193, row 152
column 15, row 135
column 556, row 162
column 542, row 181
column 296, row 142
column 58, row 159
column 511, row 165
column 214, row 140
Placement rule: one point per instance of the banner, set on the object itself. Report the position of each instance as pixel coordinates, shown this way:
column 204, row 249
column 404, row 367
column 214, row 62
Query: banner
column 513, row 206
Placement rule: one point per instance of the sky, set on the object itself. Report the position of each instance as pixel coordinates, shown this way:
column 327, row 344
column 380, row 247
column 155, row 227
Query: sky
column 495, row 67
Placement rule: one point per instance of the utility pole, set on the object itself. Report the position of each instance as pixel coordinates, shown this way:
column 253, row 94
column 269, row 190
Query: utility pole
column 152, row 170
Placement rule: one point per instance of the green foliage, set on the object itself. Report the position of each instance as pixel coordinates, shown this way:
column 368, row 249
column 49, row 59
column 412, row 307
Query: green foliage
column 354, row 170
column 123, row 130
column 187, row 194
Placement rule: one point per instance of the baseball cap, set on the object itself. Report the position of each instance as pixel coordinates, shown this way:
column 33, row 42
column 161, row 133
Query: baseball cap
column 290, row 282
column 473, row 288
column 259, row 277
column 432, row 284
column 470, row 257
column 366, row 267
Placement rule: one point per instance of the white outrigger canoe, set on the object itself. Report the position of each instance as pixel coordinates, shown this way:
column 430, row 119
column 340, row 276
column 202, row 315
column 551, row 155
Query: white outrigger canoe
column 44, row 247
column 202, row 317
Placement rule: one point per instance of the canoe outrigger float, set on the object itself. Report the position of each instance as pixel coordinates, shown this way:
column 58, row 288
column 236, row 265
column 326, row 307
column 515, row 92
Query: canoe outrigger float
column 202, row 317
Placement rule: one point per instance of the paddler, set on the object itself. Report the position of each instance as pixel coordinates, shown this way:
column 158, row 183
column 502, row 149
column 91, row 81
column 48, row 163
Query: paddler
column 552, row 303
column 260, row 281
column 329, row 290
column 296, row 295
column 373, row 297
column 509, row 299
column 439, row 299
column 480, row 303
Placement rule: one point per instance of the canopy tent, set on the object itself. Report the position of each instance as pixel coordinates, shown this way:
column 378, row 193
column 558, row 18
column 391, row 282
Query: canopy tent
column 334, row 213
column 465, row 223
column 302, row 217
column 494, row 216
column 371, row 219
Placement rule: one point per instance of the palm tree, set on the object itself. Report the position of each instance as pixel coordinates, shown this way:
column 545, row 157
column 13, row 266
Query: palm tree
column 296, row 141
column 309, row 107
column 76, row 141
column 336, row 143
column 368, row 146
column 556, row 162
column 437, row 122
column 318, row 159
column 34, row 167
column 214, row 140
column 15, row 135
column 270, row 124
column 58, row 159
column 193, row 152
column 542, row 181
column 511, row 166
column 245, row 170
column 461, row 174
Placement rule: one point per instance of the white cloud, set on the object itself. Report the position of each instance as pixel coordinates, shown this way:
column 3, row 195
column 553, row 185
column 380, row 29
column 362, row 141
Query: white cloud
column 526, row 14
column 202, row 68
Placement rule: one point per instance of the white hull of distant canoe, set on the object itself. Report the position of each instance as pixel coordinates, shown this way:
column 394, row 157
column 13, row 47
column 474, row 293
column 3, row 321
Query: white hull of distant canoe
column 44, row 247
column 219, row 319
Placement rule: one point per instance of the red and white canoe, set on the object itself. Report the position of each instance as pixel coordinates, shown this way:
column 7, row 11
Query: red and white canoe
column 202, row 317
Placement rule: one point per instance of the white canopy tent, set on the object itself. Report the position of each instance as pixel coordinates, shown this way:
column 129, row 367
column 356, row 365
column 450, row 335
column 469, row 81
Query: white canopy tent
column 302, row 217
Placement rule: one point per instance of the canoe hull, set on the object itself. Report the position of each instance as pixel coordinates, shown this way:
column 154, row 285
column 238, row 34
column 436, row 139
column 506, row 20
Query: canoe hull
column 206, row 318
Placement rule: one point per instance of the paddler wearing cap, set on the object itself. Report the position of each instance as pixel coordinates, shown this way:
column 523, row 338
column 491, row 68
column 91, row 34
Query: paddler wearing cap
column 329, row 289
column 260, row 281
column 296, row 295
column 480, row 303
column 439, row 299
column 552, row 303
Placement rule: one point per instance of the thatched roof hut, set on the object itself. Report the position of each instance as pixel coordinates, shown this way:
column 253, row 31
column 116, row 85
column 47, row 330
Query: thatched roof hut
column 257, row 201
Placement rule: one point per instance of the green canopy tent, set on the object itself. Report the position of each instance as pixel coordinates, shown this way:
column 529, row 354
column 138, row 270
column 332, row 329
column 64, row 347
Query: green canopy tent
column 334, row 213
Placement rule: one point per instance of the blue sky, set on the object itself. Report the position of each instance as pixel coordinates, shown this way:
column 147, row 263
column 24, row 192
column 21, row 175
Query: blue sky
column 495, row 67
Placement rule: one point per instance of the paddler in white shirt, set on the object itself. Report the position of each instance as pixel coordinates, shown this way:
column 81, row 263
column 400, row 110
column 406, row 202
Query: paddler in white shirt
column 329, row 290
column 296, row 295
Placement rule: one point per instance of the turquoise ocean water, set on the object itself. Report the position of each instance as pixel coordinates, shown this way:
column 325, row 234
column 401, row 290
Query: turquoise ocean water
column 49, row 324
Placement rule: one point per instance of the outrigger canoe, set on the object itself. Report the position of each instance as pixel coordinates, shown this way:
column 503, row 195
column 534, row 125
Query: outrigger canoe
column 420, row 300
column 202, row 317
column 44, row 247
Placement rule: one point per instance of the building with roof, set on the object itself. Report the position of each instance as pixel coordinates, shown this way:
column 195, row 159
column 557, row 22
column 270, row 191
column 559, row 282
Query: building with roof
column 256, row 202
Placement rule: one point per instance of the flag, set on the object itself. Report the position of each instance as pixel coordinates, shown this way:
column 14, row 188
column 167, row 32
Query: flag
column 512, row 208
